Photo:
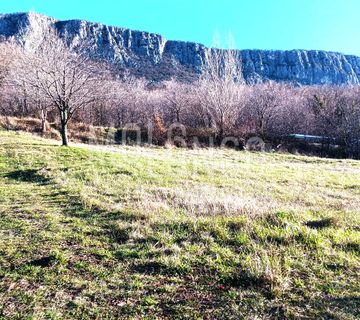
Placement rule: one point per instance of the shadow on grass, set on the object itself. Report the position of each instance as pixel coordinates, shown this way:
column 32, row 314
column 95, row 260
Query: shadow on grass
column 348, row 306
column 321, row 224
column 155, row 268
column 28, row 175
column 42, row 262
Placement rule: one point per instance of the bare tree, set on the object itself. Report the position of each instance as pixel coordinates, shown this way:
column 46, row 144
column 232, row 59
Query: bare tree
column 64, row 76
column 336, row 113
column 178, row 96
column 4, row 62
column 266, row 107
column 8, row 54
column 220, row 90
column 42, row 105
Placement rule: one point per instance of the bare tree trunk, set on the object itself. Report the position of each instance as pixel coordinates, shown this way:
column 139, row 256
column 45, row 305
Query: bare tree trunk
column 43, row 126
column 220, row 135
column 64, row 134
column 221, row 129
column 64, row 129
column 43, row 121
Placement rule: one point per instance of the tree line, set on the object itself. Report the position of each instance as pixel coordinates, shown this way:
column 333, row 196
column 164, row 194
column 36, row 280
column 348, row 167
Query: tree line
column 46, row 78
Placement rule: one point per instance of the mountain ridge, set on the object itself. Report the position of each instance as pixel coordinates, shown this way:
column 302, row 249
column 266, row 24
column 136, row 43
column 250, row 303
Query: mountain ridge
column 151, row 55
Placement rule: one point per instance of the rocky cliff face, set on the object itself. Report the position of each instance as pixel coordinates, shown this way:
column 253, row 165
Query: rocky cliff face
column 151, row 55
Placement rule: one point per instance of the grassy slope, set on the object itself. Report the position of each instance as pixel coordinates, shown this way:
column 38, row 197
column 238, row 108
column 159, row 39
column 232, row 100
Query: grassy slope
column 148, row 232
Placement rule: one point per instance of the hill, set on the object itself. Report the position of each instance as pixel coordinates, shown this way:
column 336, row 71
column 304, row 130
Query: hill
column 156, row 58
column 126, row 232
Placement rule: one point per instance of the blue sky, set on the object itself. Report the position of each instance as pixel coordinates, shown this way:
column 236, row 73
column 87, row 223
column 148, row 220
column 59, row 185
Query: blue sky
column 254, row 24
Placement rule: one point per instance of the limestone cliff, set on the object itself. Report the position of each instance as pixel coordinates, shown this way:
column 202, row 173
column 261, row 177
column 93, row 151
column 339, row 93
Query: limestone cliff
column 151, row 55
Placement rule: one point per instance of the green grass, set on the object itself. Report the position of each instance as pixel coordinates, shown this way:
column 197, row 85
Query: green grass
column 125, row 232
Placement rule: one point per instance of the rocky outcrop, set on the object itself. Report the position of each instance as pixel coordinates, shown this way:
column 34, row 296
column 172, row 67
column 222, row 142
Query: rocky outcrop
column 305, row 67
column 151, row 55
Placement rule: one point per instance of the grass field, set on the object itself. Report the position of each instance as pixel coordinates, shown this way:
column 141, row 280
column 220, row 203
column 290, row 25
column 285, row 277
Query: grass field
column 129, row 232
